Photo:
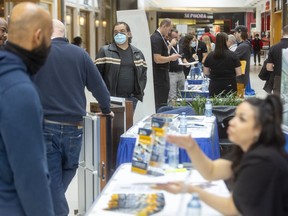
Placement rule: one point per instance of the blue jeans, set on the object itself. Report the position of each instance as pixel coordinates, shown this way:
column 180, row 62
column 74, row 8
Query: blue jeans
column 63, row 145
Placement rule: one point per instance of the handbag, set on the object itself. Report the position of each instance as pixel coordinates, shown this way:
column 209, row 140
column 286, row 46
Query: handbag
column 264, row 74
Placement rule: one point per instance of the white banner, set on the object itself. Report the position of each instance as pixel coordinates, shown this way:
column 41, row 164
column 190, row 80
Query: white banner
column 137, row 21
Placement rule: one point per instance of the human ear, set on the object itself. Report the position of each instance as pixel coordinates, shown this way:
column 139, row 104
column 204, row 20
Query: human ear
column 37, row 38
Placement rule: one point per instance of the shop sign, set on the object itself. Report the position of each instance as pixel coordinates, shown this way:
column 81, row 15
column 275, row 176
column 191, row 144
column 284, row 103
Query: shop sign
column 86, row 2
column 195, row 15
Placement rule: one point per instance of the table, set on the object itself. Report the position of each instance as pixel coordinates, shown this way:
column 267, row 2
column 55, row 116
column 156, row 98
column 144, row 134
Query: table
column 124, row 181
column 194, row 89
column 206, row 137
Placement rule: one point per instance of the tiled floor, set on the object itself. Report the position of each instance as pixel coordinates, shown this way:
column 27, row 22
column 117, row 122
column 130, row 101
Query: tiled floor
column 256, row 84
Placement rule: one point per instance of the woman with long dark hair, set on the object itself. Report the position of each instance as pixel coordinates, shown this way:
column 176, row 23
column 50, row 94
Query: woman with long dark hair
column 258, row 165
column 222, row 66
column 193, row 50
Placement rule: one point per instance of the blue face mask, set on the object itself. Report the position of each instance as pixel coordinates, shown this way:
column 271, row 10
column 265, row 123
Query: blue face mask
column 120, row 38
column 193, row 44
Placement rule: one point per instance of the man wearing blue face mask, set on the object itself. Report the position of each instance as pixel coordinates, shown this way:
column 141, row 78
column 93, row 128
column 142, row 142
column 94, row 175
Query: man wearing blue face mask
column 123, row 66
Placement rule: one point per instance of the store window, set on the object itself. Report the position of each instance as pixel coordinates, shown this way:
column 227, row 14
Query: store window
column 46, row 6
column 69, row 23
column 84, row 30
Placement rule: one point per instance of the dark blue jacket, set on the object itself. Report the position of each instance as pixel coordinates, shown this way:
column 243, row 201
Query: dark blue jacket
column 62, row 80
column 24, row 178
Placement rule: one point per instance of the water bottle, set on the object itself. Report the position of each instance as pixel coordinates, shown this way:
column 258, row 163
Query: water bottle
column 204, row 85
column 183, row 123
column 172, row 150
column 194, row 206
column 186, row 85
column 173, row 155
column 208, row 108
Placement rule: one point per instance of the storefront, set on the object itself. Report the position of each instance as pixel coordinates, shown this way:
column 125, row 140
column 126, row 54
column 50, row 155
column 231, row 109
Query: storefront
column 197, row 21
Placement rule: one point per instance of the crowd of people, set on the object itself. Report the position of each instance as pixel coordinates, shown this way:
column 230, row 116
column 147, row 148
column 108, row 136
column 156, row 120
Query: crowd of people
column 42, row 103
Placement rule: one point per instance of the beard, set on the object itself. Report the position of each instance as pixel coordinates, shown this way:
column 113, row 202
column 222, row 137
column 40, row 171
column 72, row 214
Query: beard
column 39, row 56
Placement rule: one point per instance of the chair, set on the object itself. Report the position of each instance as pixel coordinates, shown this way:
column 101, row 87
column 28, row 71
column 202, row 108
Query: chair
column 164, row 109
column 177, row 110
column 223, row 115
column 196, row 73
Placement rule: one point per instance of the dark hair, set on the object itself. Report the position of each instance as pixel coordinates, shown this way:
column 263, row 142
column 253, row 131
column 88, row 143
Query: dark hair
column 244, row 35
column 187, row 40
column 268, row 116
column 207, row 29
column 221, row 45
column 77, row 41
column 127, row 29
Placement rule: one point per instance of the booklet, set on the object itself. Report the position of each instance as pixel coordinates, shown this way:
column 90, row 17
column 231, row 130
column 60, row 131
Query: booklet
column 136, row 204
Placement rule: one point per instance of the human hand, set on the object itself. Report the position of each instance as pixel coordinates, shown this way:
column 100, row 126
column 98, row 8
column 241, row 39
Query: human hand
column 111, row 114
column 195, row 56
column 174, row 57
column 183, row 141
column 172, row 187
column 270, row 67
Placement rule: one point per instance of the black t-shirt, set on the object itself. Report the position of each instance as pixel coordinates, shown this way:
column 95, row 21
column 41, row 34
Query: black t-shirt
column 189, row 51
column 174, row 65
column 126, row 79
column 159, row 46
column 261, row 183
column 223, row 68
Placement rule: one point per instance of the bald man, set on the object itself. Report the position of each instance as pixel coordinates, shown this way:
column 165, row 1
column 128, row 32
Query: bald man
column 3, row 31
column 24, row 177
column 61, row 82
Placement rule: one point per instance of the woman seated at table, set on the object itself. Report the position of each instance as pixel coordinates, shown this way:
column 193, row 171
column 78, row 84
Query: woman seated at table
column 258, row 166
column 222, row 66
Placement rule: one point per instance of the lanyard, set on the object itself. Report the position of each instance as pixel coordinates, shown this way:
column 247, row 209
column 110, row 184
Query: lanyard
column 168, row 50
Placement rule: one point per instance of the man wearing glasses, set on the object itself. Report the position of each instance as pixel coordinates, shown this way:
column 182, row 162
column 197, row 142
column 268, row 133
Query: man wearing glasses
column 123, row 66
column 3, row 31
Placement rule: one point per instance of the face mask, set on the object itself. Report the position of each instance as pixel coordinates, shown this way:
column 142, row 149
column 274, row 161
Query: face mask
column 193, row 44
column 120, row 38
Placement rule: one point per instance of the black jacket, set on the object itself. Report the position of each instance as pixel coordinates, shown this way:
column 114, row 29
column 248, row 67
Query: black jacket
column 108, row 62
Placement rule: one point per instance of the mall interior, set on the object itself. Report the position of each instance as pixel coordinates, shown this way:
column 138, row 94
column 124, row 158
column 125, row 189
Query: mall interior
column 92, row 20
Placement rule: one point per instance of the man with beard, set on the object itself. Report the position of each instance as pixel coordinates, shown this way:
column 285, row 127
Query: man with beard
column 24, row 177
column 3, row 31
column 123, row 66
column 61, row 84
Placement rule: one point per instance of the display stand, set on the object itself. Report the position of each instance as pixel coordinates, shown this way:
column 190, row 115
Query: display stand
column 123, row 120
column 93, row 166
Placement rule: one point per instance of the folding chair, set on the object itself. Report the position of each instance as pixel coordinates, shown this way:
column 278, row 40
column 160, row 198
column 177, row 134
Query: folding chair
column 196, row 73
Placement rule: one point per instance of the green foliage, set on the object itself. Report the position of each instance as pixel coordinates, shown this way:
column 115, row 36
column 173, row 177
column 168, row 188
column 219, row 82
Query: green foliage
column 198, row 102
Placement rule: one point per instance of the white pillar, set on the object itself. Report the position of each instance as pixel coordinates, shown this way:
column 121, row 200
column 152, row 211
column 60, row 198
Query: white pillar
column 258, row 18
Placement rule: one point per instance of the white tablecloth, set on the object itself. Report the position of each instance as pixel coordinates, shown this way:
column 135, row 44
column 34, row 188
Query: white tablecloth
column 124, row 181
